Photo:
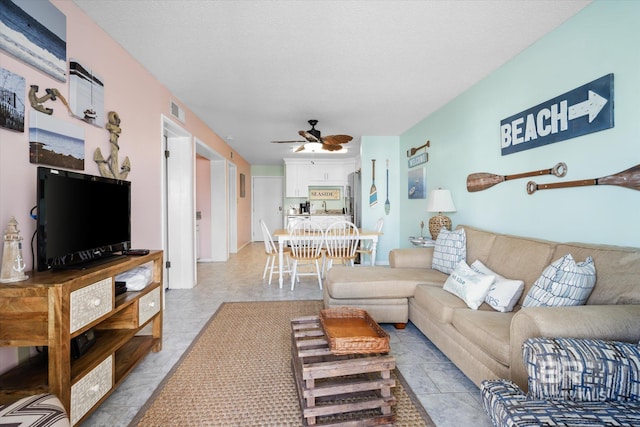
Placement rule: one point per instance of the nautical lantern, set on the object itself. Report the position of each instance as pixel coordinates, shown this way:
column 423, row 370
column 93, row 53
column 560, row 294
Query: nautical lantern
column 12, row 262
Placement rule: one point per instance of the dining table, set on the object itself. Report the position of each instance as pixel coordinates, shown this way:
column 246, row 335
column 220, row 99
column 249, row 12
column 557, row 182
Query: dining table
column 282, row 235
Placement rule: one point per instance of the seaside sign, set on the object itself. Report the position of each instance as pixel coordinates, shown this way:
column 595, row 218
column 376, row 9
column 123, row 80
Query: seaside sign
column 584, row 110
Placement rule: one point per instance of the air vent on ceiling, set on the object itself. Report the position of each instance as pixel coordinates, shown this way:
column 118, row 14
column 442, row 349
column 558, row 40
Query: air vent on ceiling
column 177, row 112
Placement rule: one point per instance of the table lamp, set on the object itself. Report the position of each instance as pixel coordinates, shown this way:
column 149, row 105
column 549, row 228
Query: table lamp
column 439, row 201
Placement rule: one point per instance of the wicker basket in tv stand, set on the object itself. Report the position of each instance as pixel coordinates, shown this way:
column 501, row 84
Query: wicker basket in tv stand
column 51, row 308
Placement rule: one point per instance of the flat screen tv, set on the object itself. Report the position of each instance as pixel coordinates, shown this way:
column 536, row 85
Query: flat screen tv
column 82, row 219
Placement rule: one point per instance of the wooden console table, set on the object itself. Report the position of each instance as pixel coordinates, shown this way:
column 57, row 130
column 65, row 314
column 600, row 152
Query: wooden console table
column 51, row 308
column 330, row 385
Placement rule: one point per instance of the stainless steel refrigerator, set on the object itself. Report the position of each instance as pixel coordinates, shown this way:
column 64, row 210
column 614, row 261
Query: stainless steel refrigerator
column 354, row 194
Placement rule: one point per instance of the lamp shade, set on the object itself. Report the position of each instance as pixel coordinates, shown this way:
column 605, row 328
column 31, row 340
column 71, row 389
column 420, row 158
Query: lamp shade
column 440, row 201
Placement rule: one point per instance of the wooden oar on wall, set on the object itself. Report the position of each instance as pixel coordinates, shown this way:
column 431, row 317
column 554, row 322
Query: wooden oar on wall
column 483, row 180
column 629, row 178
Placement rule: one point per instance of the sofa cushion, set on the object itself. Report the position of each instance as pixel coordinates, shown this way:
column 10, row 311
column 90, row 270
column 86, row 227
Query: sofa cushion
column 378, row 282
column 469, row 285
column 563, row 283
column 439, row 303
column 486, row 328
column 450, row 249
column 520, row 257
column 504, row 293
column 618, row 271
column 479, row 243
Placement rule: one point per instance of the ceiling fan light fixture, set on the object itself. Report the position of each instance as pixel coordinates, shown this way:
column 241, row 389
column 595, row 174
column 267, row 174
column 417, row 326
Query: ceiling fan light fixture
column 313, row 147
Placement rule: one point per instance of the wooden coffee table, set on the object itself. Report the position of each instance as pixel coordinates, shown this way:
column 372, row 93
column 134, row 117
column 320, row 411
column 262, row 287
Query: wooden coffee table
column 350, row 386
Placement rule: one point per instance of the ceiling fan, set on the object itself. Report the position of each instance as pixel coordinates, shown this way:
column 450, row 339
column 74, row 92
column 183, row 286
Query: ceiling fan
column 314, row 141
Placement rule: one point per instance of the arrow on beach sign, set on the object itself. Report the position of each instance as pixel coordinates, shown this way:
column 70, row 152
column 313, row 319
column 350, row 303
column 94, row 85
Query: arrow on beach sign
column 583, row 110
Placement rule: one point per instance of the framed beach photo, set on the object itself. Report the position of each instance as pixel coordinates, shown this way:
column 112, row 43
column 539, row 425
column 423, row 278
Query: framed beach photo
column 86, row 94
column 417, row 183
column 54, row 142
column 12, row 98
column 35, row 32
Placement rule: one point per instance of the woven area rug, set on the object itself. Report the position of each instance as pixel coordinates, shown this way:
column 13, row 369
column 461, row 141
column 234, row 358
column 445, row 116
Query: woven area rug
column 238, row 372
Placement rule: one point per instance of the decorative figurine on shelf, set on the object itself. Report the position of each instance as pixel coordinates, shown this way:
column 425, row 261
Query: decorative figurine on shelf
column 12, row 262
column 52, row 94
column 109, row 167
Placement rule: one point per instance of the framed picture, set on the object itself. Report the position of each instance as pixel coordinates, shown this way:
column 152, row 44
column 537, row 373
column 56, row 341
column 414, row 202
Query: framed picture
column 86, row 94
column 55, row 142
column 12, row 90
column 242, row 185
column 417, row 183
column 35, row 32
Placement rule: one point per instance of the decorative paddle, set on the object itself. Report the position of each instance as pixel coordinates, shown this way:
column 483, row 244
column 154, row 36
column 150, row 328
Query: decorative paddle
column 415, row 149
column 629, row 178
column 373, row 193
column 387, row 205
column 483, row 180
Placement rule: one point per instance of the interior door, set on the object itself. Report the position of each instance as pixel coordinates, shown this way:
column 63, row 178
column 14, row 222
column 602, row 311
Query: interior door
column 180, row 212
column 267, row 204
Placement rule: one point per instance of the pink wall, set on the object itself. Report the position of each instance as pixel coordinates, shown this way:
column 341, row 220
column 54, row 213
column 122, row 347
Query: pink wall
column 140, row 100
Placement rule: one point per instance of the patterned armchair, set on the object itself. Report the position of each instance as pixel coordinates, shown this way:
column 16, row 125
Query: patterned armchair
column 572, row 382
column 42, row 410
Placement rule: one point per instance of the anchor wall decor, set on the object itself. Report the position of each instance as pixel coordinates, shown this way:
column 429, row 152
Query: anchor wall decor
column 52, row 94
column 109, row 168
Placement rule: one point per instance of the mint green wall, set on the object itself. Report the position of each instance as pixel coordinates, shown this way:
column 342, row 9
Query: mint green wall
column 381, row 148
column 267, row 170
column 464, row 136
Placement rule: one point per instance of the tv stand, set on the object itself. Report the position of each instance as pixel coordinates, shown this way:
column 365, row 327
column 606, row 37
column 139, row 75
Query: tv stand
column 50, row 308
column 88, row 264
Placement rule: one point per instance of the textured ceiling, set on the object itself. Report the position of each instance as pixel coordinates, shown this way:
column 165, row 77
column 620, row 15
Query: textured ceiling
column 257, row 71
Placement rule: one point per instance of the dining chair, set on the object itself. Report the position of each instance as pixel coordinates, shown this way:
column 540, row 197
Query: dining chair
column 341, row 242
column 306, row 240
column 366, row 246
column 272, row 254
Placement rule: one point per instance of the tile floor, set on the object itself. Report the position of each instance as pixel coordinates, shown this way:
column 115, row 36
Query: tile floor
column 449, row 397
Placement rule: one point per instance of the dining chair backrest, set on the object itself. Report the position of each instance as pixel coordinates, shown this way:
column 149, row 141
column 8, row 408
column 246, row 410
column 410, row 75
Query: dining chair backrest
column 366, row 244
column 341, row 240
column 269, row 247
column 293, row 221
column 306, row 240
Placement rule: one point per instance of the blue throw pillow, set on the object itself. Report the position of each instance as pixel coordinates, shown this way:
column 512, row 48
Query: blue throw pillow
column 450, row 249
column 563, row 283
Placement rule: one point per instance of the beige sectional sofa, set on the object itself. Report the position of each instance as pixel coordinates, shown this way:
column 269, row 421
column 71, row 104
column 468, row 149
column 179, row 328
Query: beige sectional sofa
column 484, row 343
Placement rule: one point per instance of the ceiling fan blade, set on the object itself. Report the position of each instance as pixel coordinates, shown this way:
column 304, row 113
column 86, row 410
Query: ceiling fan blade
column 299, row 149
column 331, row 147
column 336, row 139
column 286, row 142
column 308, row 136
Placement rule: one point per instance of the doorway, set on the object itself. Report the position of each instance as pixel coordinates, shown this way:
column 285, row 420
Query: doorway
column 178, row 207
column 219, row 214
column 267, row 198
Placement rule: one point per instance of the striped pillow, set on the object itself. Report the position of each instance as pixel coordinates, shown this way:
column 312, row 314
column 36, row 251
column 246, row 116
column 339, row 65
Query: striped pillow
column 563, row 283
column 450, row 249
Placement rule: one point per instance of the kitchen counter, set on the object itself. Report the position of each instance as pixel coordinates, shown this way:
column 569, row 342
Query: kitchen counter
column 322, row 219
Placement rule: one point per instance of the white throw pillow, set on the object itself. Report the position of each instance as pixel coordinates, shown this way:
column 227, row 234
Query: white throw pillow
column 465, row 283
column 504, row 293
column 563, row 283
column 450, row 249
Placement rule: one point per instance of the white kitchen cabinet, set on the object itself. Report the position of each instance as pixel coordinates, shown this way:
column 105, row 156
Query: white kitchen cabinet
column 300, row 174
